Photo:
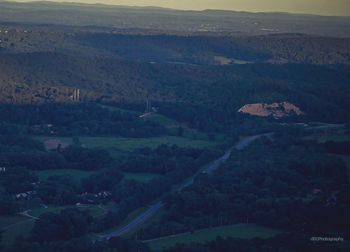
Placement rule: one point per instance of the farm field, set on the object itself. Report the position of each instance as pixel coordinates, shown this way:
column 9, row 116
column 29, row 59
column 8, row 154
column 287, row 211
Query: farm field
column 154, row 117
column 163, row 120
column 79, row 174
column 130, row 144
column 242, row 231
column 114, row 108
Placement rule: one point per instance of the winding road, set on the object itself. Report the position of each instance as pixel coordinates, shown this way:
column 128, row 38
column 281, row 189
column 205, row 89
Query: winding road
column 208, row 169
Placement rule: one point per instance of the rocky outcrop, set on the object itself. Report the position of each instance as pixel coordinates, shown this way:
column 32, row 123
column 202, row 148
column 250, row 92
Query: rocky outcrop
column 275, row 110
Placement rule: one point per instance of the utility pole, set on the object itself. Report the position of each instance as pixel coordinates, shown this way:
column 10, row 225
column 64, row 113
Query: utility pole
column 146, row 109
column 148, row 106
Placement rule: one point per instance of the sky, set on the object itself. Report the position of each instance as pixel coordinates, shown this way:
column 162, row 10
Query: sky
column 322, row 7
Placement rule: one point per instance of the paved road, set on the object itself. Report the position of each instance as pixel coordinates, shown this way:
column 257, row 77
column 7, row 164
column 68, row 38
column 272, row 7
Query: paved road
column 210, row 168
column 144, row 216
column 26, row 214
column 246, row 141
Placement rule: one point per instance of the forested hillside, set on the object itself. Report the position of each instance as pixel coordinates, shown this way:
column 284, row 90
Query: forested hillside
column 47, row 63
column 320, row 91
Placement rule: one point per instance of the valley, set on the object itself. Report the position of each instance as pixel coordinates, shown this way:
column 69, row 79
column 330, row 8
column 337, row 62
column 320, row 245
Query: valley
column 147, row 129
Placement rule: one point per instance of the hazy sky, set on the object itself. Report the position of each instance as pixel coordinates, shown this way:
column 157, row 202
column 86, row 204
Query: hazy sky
column 325, row 7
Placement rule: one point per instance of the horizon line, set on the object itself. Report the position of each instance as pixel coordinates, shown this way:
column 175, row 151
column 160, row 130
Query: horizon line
column 168, row 8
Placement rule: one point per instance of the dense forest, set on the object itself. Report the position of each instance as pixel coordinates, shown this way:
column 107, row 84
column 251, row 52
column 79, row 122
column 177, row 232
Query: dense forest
column 320, row 91
column 45, row 64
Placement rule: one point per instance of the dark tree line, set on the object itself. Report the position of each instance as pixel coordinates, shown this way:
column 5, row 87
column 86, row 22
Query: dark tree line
column 26, row 152
column 74, row 119
column 340, row 148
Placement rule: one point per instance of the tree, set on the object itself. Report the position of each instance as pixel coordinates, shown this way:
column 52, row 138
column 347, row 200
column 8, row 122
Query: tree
column 8, row 205
column 67, row 224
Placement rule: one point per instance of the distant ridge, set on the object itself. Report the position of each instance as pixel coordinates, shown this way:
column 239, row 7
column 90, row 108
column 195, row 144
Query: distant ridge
column 104, row 5
column 171, row 21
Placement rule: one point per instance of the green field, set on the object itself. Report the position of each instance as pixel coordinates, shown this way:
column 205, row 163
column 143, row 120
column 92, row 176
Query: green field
column 130, row 144
column 141, row 177
column 76, row 174
column 242, row 231
column 113, row 108
column 163, row 120
column 154, row 117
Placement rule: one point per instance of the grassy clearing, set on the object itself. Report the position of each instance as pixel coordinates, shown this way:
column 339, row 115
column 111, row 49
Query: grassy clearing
column 242, row 231
column 65, row 141
column 76, row 174
column 141, row 177
column 154, row 117
column 113, row 108
column 51, row 209
column 129, row 144
column 96, row 211
column 163, row 120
